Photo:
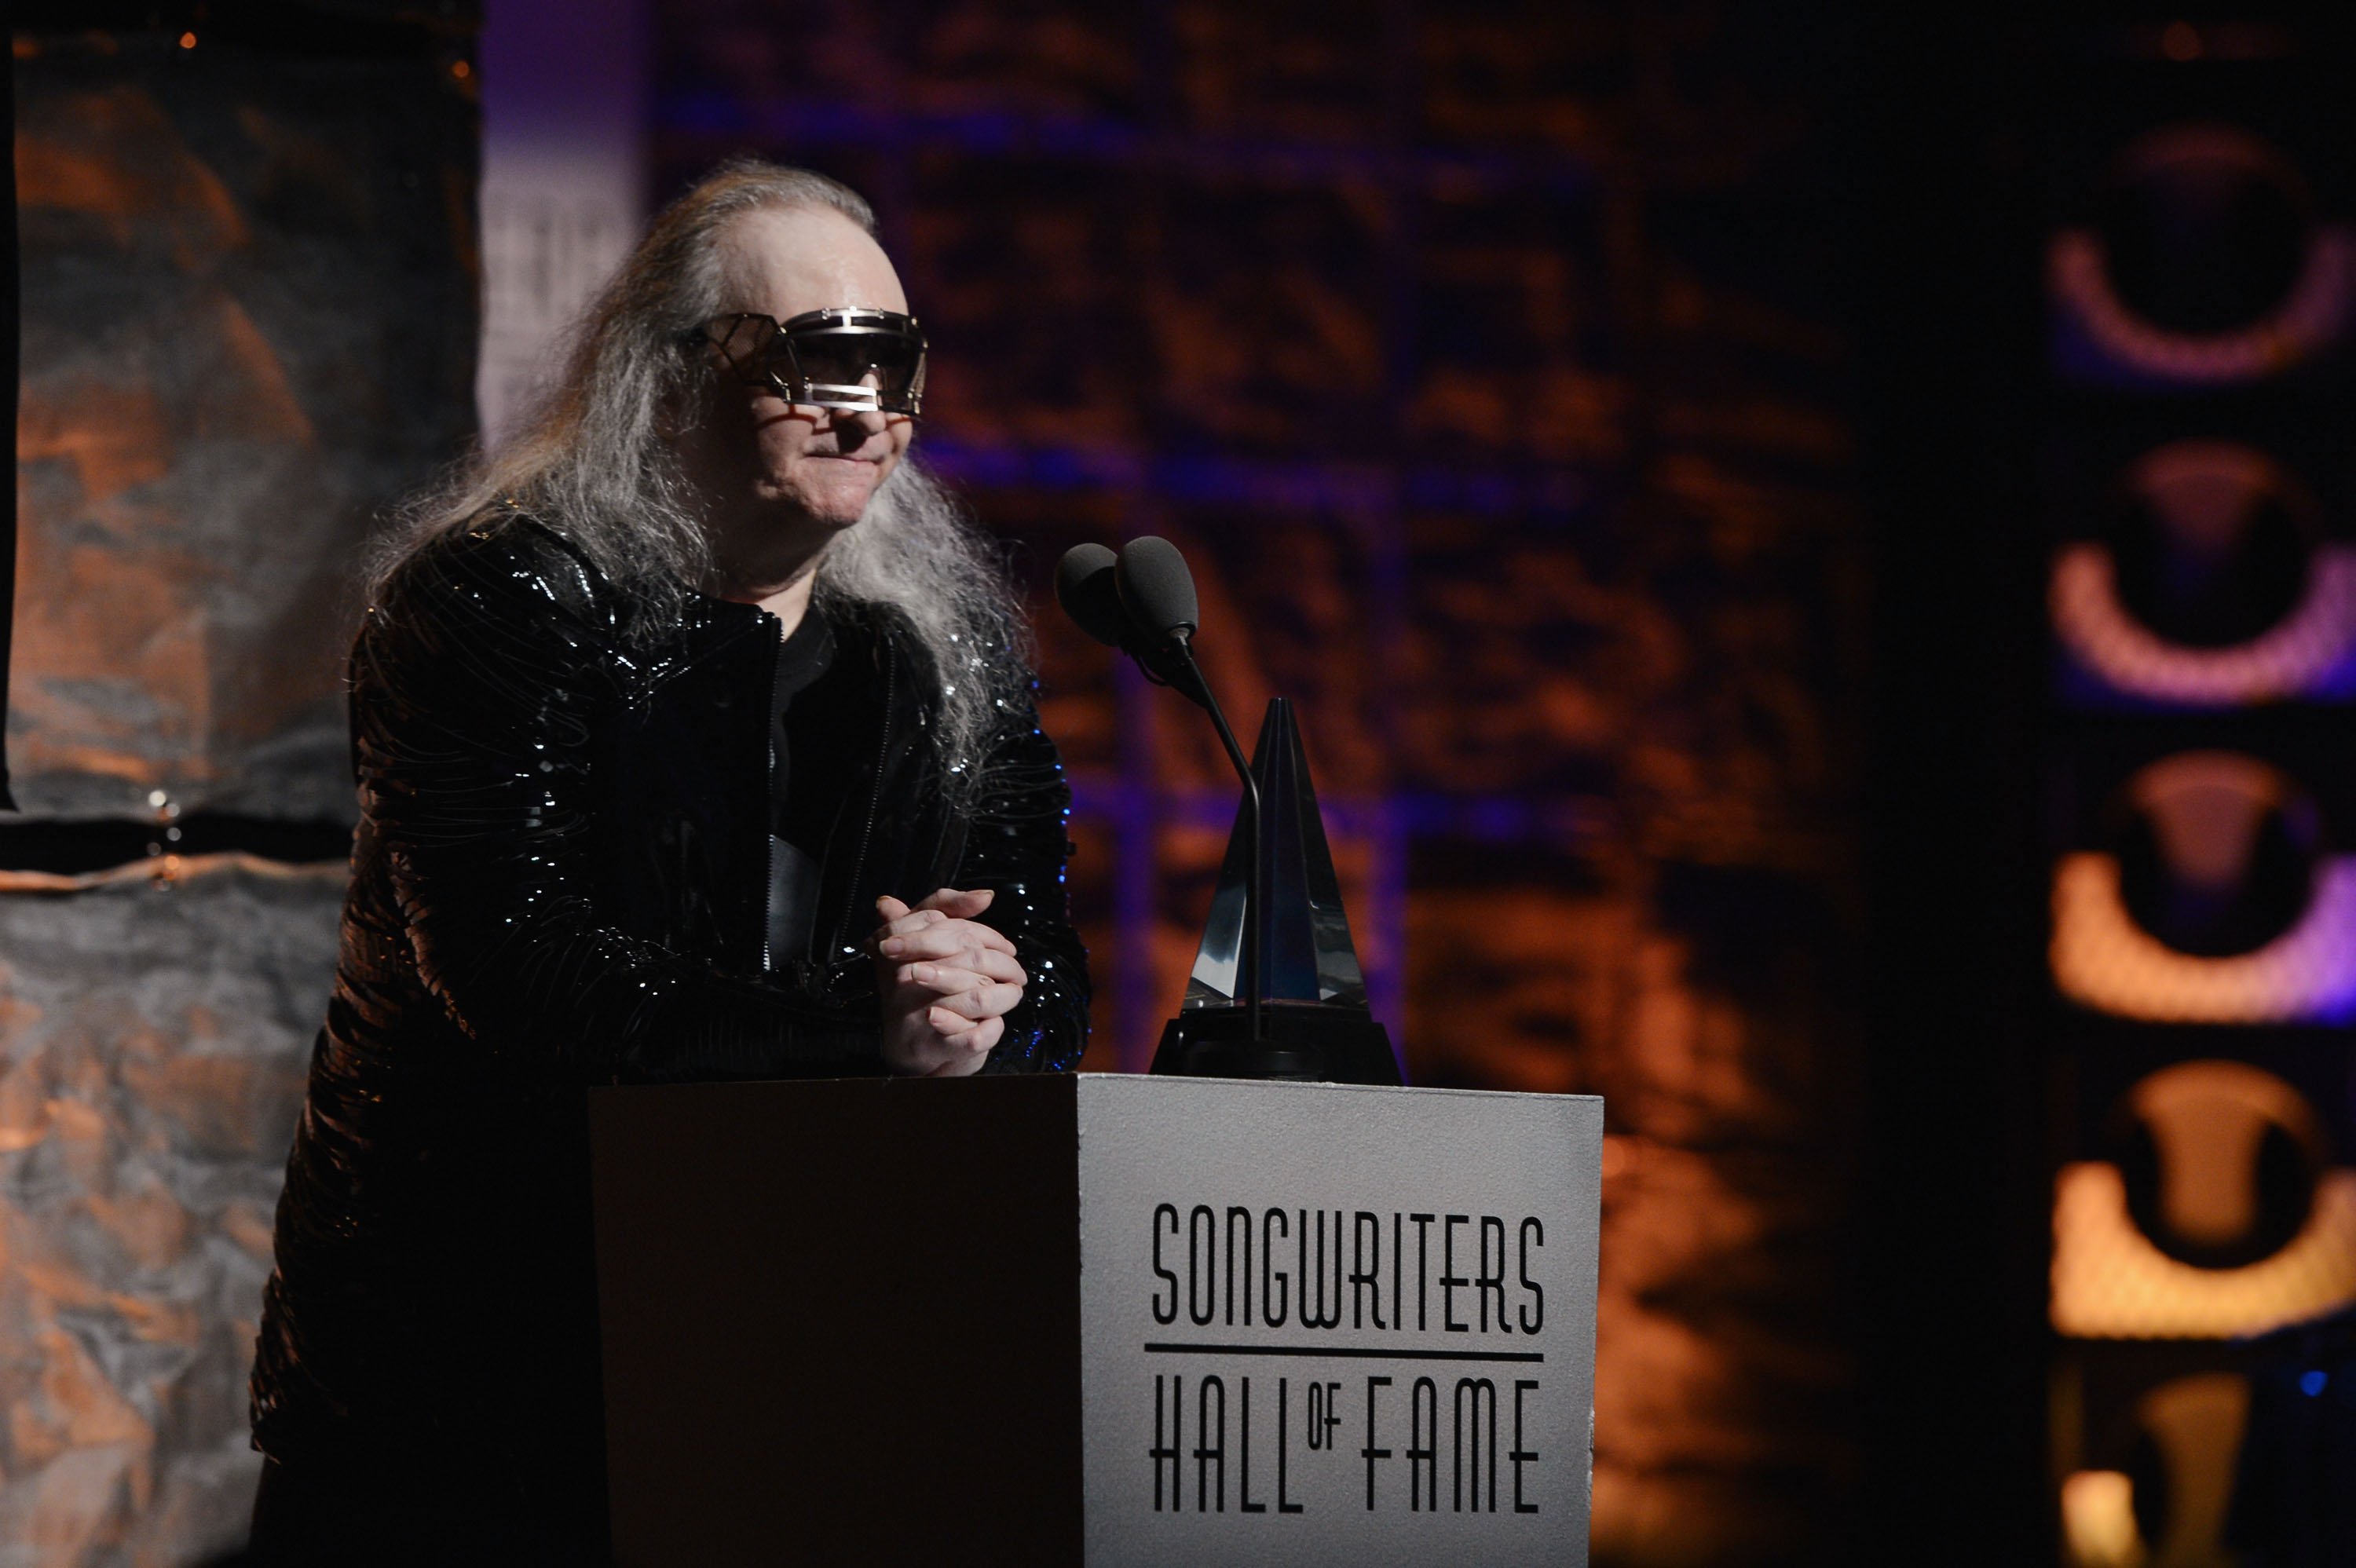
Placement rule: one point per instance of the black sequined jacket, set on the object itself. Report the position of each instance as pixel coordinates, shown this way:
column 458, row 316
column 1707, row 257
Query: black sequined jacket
column 559, row 881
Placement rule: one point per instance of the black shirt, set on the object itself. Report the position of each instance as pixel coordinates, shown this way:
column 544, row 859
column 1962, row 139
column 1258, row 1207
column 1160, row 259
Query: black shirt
column 804, row 799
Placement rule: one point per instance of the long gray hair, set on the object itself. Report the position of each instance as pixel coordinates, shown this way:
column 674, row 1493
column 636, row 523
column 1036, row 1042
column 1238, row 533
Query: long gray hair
column 590, row 460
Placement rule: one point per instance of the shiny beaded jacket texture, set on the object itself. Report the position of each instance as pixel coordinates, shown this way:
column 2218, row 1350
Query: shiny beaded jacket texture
column 558, row 879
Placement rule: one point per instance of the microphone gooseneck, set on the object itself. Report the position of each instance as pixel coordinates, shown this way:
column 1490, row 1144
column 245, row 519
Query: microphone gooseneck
column 1142, row 602
column 1157, row 592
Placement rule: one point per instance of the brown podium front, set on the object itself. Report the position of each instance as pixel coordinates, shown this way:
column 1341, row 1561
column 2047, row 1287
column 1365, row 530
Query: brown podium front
column 1097, row 1321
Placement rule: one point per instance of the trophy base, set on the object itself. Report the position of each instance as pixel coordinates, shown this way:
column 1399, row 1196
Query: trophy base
column 1311, row 1041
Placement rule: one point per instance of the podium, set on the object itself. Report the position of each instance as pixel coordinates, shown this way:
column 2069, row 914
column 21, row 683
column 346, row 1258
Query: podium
column 1096, row 1319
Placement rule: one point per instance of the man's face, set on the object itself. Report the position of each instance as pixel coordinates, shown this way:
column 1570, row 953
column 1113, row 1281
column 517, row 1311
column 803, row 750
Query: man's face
column 799, row 465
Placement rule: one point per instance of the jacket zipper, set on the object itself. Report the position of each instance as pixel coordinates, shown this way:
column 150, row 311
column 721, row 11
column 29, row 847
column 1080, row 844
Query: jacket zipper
column 874, row 793
column 768, row 807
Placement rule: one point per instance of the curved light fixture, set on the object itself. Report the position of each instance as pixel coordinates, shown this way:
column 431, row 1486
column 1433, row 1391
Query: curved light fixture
column 2109, row 1283
column 2311, row 313
column 2299, row 656
column 2203, row 497
column 2207, row 1122
column 2240, row 935
column 2102, row 959
column 2311, row 317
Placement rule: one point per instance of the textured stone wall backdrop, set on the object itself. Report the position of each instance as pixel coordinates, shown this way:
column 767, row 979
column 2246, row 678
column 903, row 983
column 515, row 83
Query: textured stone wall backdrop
column 248, row 308
column 152, row 1041
column 248, row 327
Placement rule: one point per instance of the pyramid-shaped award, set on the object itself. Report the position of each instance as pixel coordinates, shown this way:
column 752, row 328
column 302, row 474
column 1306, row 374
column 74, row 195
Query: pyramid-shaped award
column 1314, row 1020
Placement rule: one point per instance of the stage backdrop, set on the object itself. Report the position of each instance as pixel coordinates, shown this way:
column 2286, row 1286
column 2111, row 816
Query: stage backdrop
column 1491, row 363
column 248, row 324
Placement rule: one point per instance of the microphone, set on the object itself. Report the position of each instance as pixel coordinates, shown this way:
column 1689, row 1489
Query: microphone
column 1142, row 602
column 1088, row 585
column 1085, row 587
column 1157, row 590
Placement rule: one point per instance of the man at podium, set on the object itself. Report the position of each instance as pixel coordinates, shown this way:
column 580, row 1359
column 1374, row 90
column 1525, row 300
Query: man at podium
column 694, row 739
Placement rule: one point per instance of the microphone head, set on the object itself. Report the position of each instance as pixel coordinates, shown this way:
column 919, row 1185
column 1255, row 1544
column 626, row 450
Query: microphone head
column 1085, row 588
column 1156, row 588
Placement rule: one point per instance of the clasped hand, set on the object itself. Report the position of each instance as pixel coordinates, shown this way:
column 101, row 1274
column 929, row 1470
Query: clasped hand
column 948, row 983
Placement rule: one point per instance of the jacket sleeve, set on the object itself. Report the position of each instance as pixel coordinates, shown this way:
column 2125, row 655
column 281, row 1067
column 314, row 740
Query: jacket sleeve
column 1016, row 846
column 475, row 688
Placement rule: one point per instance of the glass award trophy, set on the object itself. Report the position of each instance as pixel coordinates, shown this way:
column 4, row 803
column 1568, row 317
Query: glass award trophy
column 1314, row 1021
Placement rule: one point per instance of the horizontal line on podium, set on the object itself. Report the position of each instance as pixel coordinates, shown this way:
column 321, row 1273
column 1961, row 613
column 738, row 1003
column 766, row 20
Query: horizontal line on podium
column 1356, row 1352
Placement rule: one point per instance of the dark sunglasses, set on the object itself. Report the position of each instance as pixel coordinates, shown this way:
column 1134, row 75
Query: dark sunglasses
column 846, row 356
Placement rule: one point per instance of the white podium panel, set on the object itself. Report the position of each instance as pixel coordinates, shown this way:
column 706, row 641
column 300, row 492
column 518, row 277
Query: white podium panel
column 1327, row 1323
